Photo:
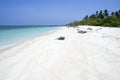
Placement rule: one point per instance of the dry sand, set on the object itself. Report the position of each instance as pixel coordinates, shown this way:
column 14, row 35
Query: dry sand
column 94, row 55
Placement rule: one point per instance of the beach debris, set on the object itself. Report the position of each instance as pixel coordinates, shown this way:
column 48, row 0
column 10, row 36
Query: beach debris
column 61, row 38
column 89, row 29
column 98, row 29
column 81, row 31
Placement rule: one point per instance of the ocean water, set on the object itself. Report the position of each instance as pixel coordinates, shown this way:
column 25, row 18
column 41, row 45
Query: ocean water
column 15, row 34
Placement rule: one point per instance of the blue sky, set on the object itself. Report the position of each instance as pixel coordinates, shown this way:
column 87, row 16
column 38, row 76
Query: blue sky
column 50, row 12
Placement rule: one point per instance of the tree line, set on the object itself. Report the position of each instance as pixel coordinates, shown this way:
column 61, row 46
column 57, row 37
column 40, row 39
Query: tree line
column 100, row 18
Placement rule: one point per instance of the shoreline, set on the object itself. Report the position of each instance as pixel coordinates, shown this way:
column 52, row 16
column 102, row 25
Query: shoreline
column 10, row 46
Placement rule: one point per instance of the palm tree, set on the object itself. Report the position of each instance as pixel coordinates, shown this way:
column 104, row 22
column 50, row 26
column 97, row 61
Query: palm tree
column 119, row 11
column 112, row 14
column 101, row 14
column 97, row 15
column 106, row 13
column 86, row 18
column 117, row 14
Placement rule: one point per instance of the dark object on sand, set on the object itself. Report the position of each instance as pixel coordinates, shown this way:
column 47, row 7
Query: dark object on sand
column 81, row 31
column 61, row 38
column 89, row 29
column 98, row 29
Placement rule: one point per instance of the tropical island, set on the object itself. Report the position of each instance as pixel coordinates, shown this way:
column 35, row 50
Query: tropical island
column 100, row 18
column 34, row 44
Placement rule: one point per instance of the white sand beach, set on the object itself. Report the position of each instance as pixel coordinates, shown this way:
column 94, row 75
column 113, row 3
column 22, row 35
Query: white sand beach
column 94, row 55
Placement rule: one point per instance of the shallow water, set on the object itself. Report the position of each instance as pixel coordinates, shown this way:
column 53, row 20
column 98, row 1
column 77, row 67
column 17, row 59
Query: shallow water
column 14, row 34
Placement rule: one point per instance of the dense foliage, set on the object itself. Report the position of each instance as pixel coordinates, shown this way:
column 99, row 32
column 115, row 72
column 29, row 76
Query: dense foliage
column 100, row 18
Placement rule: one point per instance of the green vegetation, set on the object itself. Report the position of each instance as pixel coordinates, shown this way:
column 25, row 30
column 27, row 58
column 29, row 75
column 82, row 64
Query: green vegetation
column 100, row 18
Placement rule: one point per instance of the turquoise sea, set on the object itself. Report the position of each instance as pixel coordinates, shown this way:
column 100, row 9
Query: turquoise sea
column 15, row 34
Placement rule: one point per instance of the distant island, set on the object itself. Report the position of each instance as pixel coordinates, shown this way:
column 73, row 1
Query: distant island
column 100, row 18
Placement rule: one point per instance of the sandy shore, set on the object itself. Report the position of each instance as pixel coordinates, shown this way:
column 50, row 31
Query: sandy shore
column 94, row 55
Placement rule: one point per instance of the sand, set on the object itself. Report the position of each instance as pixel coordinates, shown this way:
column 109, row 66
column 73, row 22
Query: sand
column 94, row 55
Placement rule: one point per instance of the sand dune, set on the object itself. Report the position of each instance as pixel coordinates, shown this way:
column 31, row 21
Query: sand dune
column 94, row 55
